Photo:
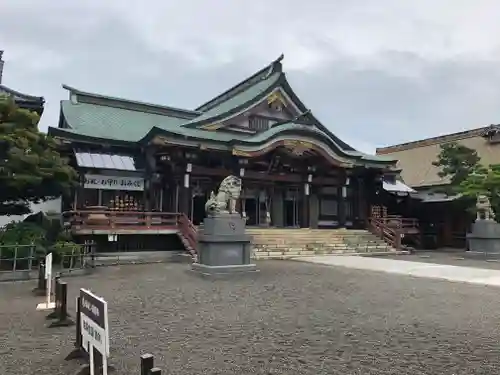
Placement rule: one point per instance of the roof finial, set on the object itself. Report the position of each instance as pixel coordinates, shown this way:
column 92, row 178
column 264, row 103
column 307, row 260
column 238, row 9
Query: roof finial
column 275, row 66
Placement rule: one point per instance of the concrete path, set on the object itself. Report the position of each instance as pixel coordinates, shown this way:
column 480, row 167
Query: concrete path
column 417, row 269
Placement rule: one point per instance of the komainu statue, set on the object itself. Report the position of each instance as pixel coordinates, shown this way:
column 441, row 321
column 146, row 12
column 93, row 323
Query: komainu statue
column 483, row 206
column 226, row 198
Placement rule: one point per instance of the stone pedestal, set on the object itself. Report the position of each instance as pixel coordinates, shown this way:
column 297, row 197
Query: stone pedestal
column 223, row 247
column 484, row 239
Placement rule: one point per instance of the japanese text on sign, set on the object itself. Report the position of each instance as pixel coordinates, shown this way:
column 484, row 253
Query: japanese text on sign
column 113, row 182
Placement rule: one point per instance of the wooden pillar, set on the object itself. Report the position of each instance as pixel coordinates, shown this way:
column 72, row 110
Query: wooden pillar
column 361, row 202
column 342, row 193
column 184, row 200
column 306, row 192
column 185, row 197
column 149, row 178
column 447, row 230
column 80, row 192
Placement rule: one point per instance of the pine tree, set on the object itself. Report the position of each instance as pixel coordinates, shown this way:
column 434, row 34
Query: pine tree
column 457, row 162
column 31, row 168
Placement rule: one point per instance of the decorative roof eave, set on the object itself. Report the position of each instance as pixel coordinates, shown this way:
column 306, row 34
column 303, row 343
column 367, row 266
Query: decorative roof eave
column 306, row 134
column 293, row 143
column 68, row 135
column 92, row 98
column 323, row 145
column 274, row 67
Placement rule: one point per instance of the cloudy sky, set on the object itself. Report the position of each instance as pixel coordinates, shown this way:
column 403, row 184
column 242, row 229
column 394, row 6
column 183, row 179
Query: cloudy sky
column 375, row 72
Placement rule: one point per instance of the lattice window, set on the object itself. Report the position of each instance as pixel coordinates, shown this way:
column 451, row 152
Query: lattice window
column 258, row 124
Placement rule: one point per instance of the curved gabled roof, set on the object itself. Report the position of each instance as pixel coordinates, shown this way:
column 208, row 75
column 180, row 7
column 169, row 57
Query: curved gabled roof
column 120, row 120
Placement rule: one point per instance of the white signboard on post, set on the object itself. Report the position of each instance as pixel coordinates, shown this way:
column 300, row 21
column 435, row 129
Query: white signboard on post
column 47, row 305
column 95, row 331
column 98, row 181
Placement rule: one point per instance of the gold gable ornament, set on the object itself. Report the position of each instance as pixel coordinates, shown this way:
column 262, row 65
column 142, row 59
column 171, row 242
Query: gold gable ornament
column 298, row 148
column 237, row 152
column 211, row 127
column 277, row 100
column 159, row 141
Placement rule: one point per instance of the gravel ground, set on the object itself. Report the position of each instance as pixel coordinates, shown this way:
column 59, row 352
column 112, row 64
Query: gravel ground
column 294, row 318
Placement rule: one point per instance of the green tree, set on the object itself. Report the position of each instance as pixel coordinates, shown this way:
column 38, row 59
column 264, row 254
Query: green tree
column 484, row 181
column 457, row 162
column 31, row 168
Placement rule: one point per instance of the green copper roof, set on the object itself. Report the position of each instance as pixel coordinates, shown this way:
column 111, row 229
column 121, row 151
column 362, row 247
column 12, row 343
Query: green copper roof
column 97, row 117
column 238, row 101
column 112, row 123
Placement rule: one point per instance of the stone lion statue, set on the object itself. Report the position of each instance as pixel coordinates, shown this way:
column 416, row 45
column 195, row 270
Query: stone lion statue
column 483, row 206
column 225, row 200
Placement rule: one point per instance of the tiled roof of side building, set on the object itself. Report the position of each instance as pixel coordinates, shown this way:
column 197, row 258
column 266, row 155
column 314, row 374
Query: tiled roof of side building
column 416, row 158
column 20, row 96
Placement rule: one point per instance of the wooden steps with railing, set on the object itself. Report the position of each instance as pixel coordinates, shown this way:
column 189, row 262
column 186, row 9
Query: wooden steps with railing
column 392, row 229
column 188, row 234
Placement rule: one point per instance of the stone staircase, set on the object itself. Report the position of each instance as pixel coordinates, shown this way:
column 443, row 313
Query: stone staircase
column 272, row 243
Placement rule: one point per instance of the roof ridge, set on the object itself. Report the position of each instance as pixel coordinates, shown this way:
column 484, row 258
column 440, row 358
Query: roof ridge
column 273, row 67
column 189, row 114
column 20, row 94
column 433, row 140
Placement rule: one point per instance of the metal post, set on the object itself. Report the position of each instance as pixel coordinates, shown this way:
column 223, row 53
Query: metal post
column 41, row 288
column 61, row 310
column 30, row 260
column 78, row 351
column 78, row 338
column 155, row 371
column 55, row 314
column 147, row 363
column 15, row 259
column 92, row 254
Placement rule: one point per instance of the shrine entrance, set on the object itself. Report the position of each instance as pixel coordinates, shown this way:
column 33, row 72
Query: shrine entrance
column 292, row 208
column 255, row 207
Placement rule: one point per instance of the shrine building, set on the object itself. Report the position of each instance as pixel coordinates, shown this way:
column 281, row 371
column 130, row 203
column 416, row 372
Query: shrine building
column 149, row 168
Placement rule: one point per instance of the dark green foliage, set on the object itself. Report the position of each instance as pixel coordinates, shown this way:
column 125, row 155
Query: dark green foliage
column 468, row 176
column 17, row 238
column 31, row 168
column 456, row 162
column 484, row 181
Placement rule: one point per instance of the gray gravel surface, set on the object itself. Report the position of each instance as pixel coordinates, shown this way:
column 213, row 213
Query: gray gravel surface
column 294, row 318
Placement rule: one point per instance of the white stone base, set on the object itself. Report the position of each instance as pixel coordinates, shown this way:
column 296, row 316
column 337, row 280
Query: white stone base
column 45, row 306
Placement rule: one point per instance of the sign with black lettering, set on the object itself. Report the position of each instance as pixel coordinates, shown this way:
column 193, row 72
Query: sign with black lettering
column 96, row 181
column 95, row 330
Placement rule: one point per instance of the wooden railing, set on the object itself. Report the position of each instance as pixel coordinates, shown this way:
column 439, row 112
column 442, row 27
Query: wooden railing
column 390, row 234
column 119, row 219
column 189, row 232
column 405, row 223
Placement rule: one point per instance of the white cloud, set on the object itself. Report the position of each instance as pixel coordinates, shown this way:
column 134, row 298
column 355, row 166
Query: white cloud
column 379, row 72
